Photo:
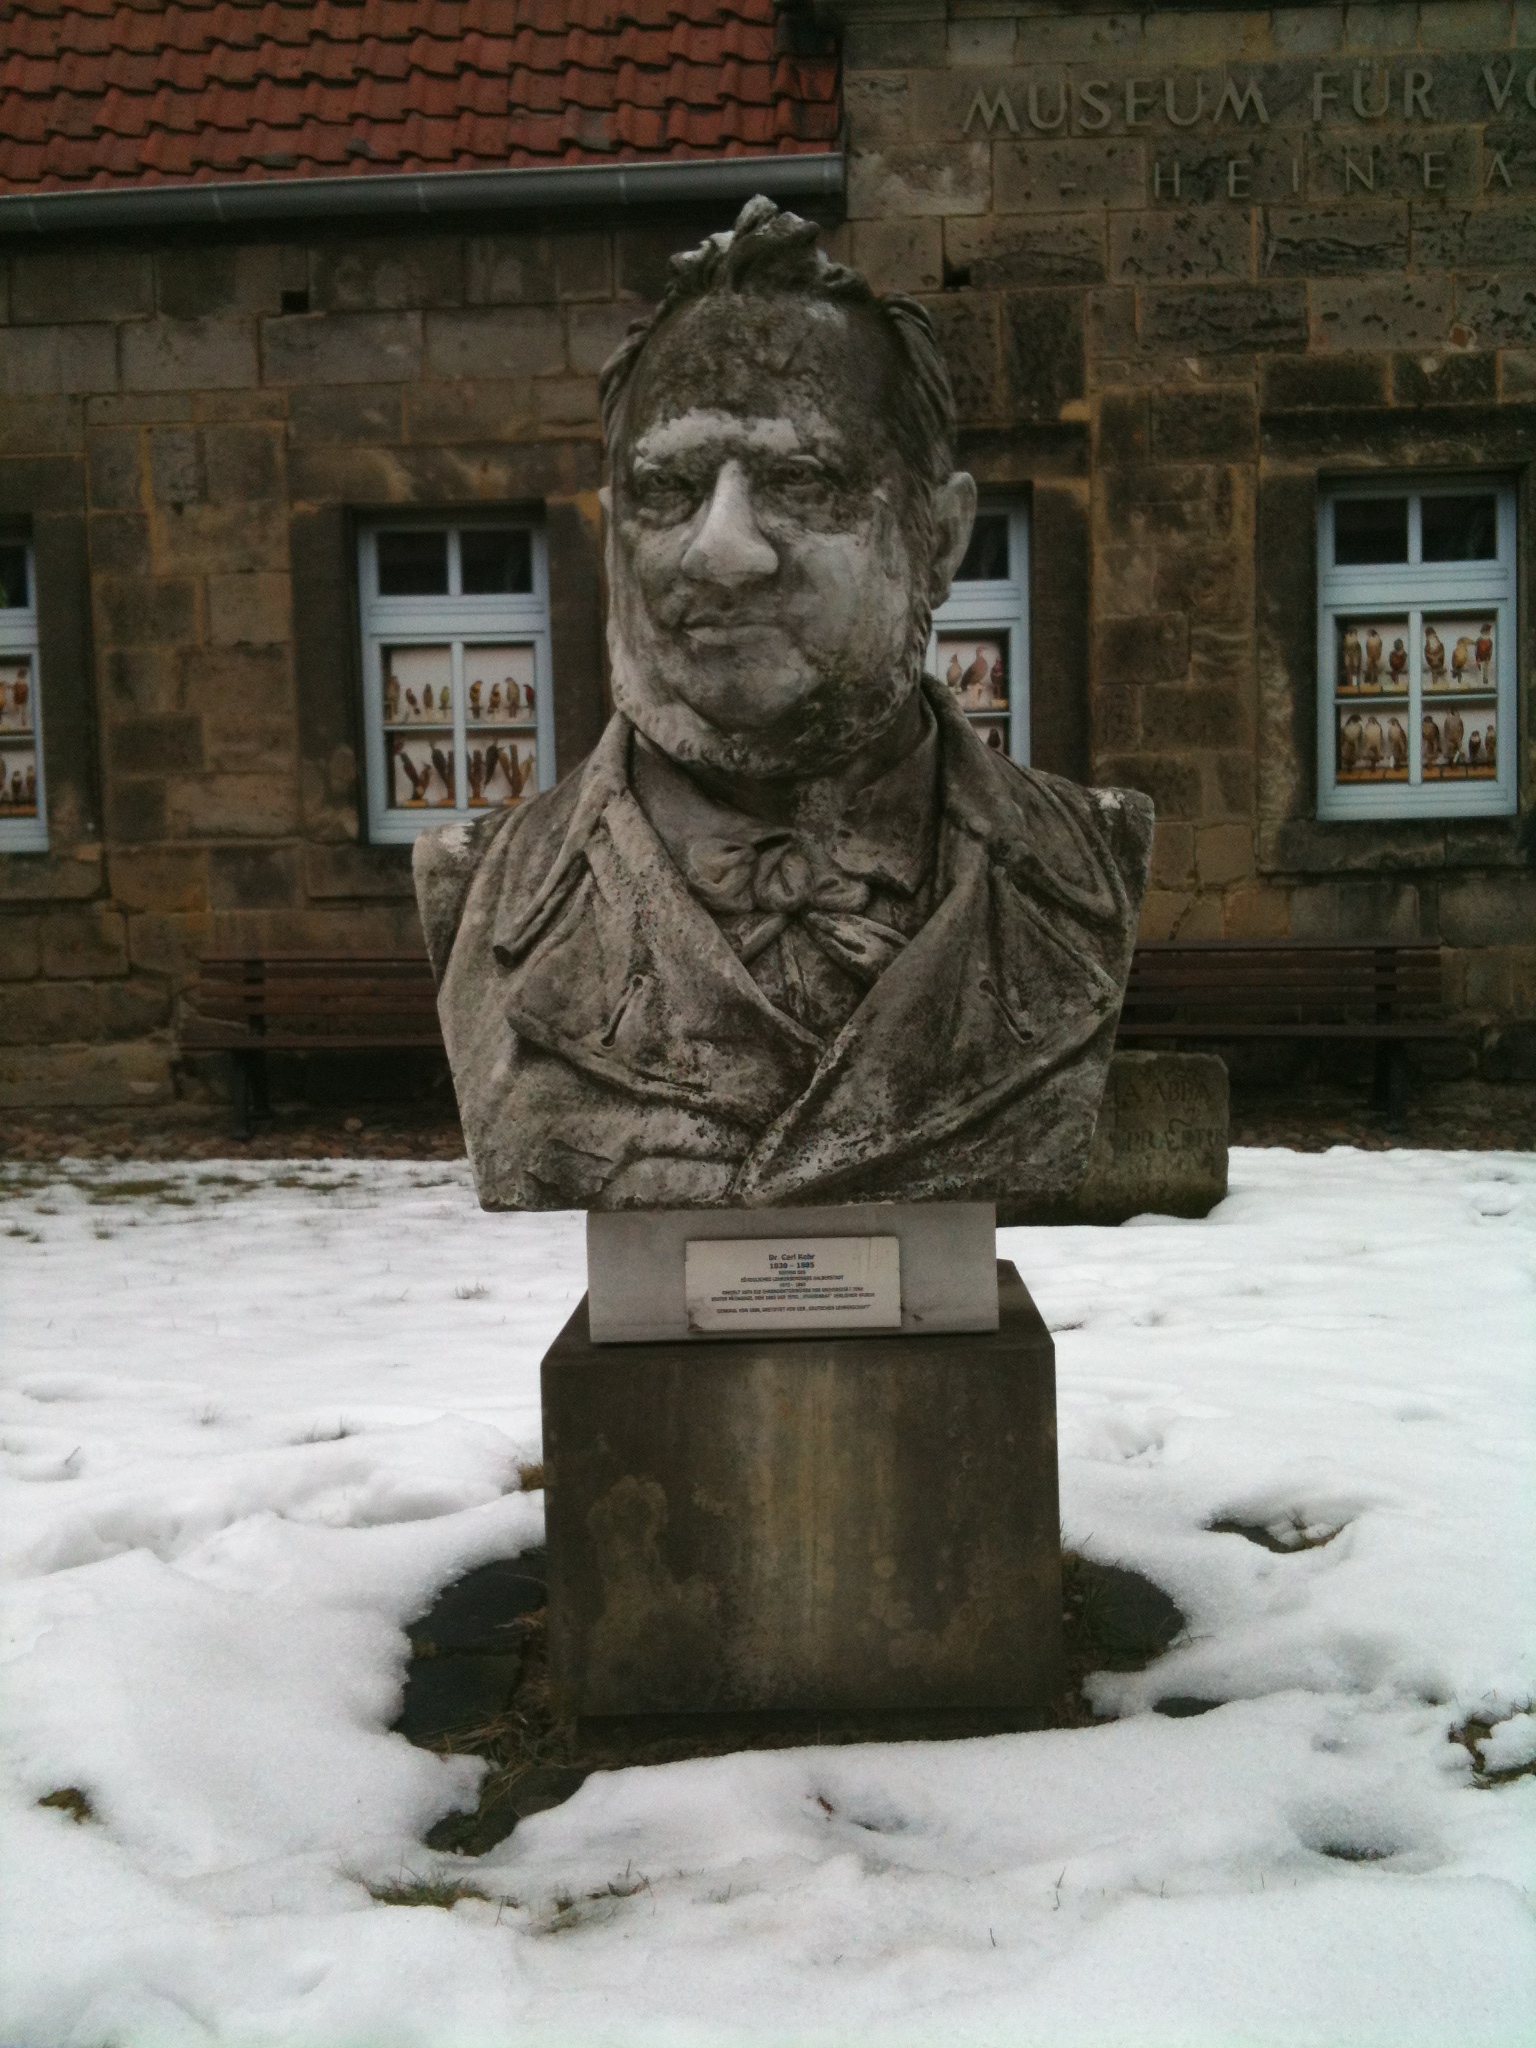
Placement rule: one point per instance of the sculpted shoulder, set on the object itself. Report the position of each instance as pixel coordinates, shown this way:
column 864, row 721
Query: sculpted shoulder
column 445, row 864
column 1090, row 850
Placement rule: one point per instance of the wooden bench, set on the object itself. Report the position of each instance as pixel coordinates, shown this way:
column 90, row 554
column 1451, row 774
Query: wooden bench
column 250, row 1005
column 1382, row 993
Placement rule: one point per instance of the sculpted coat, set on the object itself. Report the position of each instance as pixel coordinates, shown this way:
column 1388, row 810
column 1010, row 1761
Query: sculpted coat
column 611, row 1050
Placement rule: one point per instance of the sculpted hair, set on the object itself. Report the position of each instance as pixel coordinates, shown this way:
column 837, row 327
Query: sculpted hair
column 769, row 250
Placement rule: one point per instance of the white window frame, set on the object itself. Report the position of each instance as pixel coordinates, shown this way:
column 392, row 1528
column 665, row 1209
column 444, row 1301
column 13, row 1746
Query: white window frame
column 1416, row 587
column 997, row 606
column 460, row 621
column 18, row 637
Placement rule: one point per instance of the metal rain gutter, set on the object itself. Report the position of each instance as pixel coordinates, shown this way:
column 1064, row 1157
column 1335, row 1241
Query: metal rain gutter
column 570, row 186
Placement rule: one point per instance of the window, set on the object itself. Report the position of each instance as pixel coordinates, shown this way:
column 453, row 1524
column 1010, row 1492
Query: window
column 980, row 644
column 1416, row 650
column 456, row 671
column 23, row 811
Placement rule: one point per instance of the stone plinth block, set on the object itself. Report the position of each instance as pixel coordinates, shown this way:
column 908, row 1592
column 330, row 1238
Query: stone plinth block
column 860, row 1526
column 1159, row 1147
column 636, row 1261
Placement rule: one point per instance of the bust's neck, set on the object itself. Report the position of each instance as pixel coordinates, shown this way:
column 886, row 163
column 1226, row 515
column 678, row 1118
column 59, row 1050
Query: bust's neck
column 812, row 804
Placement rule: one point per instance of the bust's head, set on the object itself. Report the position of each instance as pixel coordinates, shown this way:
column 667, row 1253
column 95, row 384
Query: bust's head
column 784, row 511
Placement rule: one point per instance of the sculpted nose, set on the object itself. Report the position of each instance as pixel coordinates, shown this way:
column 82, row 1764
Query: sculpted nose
column 729, row 548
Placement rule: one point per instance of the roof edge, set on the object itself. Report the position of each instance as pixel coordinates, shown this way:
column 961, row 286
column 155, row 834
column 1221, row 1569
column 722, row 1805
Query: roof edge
column 814, row 175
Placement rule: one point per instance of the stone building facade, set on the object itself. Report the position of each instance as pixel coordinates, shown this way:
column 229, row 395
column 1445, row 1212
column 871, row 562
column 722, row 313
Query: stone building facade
column 1192, row 269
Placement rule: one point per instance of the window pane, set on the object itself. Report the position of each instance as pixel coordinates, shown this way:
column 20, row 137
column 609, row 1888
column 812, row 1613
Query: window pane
column 1459, row 744
column 1371, row 740
column 986, row 559
column 502, row 758
column 975, row 665
column 418, row 727
column 13, row 576
column 1458, row 654
column 413, row 564
column 497, row 561
column 18, row 739
column 502, row 772
column 1461, row 529
column 1370, row 530
column 499, row 684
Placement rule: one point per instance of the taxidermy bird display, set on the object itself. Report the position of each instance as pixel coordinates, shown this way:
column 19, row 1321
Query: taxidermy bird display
column 444, row 767
column 474, row 699
column 1434, row 656
column 1485, row 652
column 954, row 672
column 418, row 778
column 1491, row 747
column 411, row 701
column 1371, row 746
column 495, row 698
column 1397, row 743
column 1475, row 748
column 1349, row 741
column 1461, row 654
column 1454, row 731
column 1372, row 657
column 1352, row 659
column 1429, row 739
column 1397, row 661
column 476, row 775
column 391, row 699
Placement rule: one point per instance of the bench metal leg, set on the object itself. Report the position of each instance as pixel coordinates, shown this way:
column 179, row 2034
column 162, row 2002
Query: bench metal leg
column 250, row 1090
column 1391, row 1089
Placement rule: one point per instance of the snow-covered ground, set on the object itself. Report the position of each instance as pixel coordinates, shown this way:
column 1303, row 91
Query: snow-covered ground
column 254, row 1416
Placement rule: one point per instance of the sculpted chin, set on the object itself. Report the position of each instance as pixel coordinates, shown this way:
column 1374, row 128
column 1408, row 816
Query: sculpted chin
column 792, row 933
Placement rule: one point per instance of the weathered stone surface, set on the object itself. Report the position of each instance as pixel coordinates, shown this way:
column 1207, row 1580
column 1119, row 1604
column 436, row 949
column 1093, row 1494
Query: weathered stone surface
column 84, row 944
column 187, row 355
column 341, row 348
column 750, row 987
column 510, row 342
column 249, row 609
column 56, row 284
column 1345, row 241
column 1363, row 313
column 900, row 255
column 1497, row 310
column 1160, row 1145
column 779, row 1527
column 85, row 1076
column 38, row 360
column 903, row 182
column 1043, row 355
column 1448, row 379
column 1000, row 252
column 1199, row 242
column 388, row 273
column 1205, row 426
column 1062, row 177
column 1151, row 648
column 1303, row 382
column 1215, row 320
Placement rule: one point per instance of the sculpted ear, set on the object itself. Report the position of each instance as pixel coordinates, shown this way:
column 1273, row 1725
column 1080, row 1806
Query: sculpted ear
column 954, row 514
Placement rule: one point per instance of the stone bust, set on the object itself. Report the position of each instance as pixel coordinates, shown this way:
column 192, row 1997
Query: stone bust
column 791, row 934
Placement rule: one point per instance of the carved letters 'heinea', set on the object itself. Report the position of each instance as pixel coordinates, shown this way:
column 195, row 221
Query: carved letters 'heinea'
column 792, row 933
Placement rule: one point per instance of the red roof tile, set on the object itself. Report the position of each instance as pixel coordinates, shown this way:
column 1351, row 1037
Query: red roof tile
column 119, row 92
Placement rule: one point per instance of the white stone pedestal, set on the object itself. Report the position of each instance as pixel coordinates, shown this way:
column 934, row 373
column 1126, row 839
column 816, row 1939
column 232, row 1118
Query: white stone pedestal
column 638, row 1286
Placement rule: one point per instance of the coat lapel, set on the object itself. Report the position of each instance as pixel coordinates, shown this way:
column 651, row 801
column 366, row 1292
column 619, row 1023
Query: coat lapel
column 614, row 967
column 1016, row 972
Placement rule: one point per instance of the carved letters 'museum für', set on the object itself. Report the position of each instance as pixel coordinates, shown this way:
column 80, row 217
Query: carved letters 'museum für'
column 792, row 933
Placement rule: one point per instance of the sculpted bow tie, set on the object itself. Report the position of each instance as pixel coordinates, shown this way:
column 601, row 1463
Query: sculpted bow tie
column 788, row 878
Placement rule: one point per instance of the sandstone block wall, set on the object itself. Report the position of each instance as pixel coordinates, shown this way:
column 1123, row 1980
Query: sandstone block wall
column 1187, row 264
column 190, row 432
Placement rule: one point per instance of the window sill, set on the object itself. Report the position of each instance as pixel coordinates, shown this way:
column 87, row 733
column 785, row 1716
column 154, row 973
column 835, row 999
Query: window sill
column 1312, row 846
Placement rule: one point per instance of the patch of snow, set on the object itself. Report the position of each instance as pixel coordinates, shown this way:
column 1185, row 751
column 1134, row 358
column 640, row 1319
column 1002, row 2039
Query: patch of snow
column 252, row 1417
